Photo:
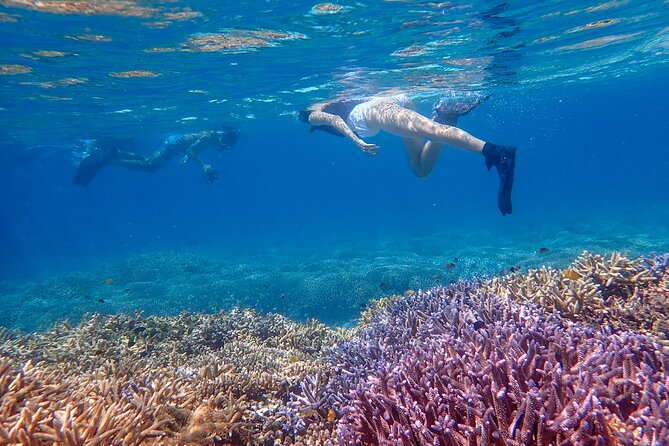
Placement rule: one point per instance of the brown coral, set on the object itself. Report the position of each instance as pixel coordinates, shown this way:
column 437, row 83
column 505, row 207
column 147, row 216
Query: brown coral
column 616, row 290
column 192, row 379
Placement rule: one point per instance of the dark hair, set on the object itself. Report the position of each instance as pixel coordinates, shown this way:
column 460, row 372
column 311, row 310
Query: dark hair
column 304, row 115
column 228, row 136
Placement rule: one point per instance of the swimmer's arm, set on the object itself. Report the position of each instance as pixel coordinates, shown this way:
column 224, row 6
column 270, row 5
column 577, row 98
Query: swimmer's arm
column 192, row 153
column 322, row 118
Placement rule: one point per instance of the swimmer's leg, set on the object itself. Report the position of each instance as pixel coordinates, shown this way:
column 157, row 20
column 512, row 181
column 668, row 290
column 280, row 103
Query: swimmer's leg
column 454, row 104
column 402, row 122
column 136, row 161
column 150, row 163
column 429, row 155
column 413, row 148
column 92, row 164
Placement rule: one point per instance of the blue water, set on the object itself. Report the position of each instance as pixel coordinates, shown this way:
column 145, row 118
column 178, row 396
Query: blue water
column 304, row 223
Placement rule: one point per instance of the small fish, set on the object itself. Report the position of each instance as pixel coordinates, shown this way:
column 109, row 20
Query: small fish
column 108, row 281
column 543, row 251
column 283, row 296
column 450, row 266
column 478, row 325
column 309, row 412
column 88, row 296
column 127, row 291
column 101, row 300
column 455, row 259
column 294, row 359
column 331, row 415
column 382, row 285
column 409, row 293
column 571, row 274
column 437, row 277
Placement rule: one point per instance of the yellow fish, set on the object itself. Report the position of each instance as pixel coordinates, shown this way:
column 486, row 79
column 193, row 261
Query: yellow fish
column 571, row 274
column 109, row 281
column 409, row 293
column 308, row 412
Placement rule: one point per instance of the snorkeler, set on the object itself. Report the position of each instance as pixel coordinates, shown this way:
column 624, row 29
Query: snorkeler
column 106, row 152
column 358, row 118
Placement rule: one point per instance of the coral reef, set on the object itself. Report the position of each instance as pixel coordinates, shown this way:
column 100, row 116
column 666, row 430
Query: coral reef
column 526, row 380
column 624, row 293
column 169, row 282
column 546, row 357
column 200, row 379
column 465, row 364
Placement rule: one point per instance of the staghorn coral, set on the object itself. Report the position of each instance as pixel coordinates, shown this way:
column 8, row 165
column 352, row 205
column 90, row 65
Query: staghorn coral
column 383, row 339
column 425, row 374
column 624, row 293
column 42, row 406
column 455, row 365
column 193, row 379
column 512, row 386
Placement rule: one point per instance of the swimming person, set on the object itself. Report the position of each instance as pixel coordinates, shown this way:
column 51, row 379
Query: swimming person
column 104, row 152
column 358, row 118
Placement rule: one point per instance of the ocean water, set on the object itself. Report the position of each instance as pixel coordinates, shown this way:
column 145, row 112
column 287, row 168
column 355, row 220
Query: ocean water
column 304, row 223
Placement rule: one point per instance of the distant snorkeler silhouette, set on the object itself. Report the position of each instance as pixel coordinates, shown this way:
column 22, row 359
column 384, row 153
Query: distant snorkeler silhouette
column 110, row 151
column 357, row 118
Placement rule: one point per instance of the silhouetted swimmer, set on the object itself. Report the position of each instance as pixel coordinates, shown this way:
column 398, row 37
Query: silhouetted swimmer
column 357, row 118
column 103, row 153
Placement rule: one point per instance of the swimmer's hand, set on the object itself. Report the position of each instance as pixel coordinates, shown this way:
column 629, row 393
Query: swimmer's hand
column 369, row 149
column 210, row 175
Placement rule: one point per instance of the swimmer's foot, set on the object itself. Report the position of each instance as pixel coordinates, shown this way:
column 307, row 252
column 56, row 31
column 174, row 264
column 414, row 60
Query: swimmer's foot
column 93, row 164
column 454, row 104
column 504, row 159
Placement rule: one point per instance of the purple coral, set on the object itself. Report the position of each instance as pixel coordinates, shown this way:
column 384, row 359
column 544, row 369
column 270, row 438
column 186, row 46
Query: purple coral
column 456, row 367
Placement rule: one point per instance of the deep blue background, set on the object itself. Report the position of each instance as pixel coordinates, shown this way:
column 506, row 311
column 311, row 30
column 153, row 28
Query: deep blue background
column 585, row 150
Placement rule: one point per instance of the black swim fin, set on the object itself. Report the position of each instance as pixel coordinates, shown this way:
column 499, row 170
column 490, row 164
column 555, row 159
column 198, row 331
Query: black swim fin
column 504, row 159
column 92, row 164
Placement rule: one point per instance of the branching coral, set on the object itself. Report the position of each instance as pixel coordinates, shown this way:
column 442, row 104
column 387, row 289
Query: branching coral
column 193, row 379
column 618, row 291
column 525, row 379
column 41, row 406
column 458, row 391
column 481, row 362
